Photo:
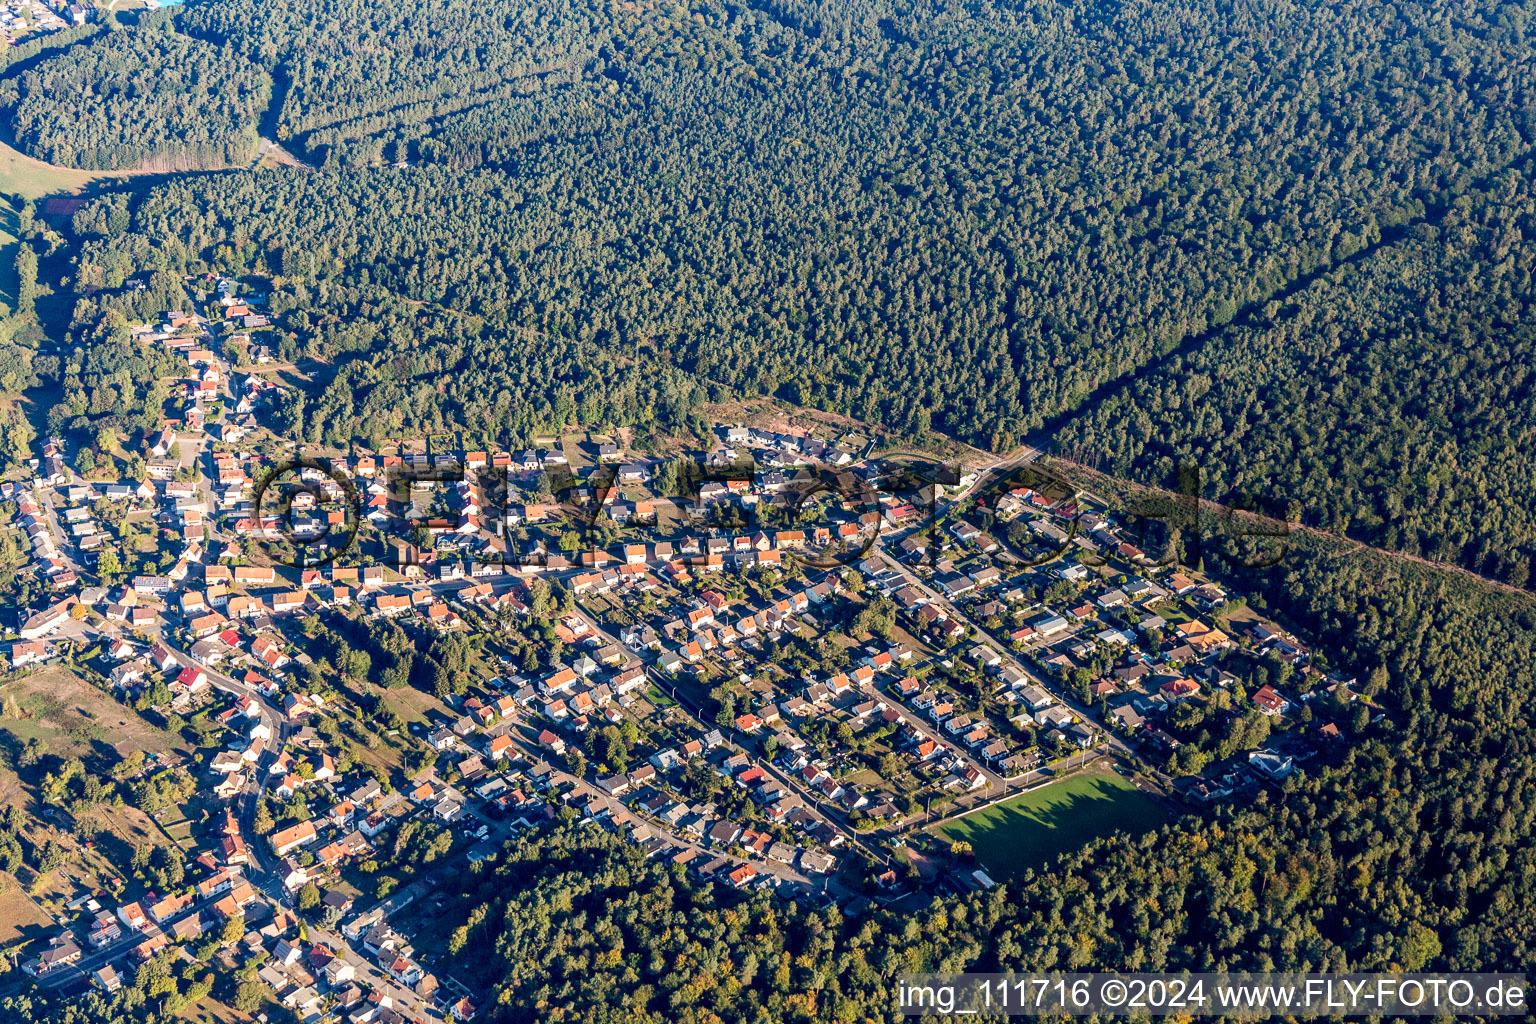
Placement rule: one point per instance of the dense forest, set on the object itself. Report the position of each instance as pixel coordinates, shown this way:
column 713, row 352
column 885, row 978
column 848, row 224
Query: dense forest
column 1389, row 399
column 964, row 220
column 354, row 68
column 391, row 363
column 408, row 357
column 31, row 49
column 1291, row 242
column 143, row 98
column 159, row 992
column 109, row 380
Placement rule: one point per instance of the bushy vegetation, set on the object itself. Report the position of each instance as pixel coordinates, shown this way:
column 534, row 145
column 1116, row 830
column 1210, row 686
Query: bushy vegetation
column 979, row 221
column 158, row 991
column 1409, row 848
column 964, row 220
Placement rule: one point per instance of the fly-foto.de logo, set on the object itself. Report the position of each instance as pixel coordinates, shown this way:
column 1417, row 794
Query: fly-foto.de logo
column 308, row 512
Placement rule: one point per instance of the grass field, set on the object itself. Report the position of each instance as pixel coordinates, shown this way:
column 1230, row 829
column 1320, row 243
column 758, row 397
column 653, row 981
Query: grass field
column 416, row 706
column 94, row 867
column 74, row 719
column 1030, row 830
column 180, row 832
column 21, row 174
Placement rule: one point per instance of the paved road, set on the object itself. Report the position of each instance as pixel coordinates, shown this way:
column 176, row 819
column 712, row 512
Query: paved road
column 110, row 954
column 1087, row 713
column 1003, row 651
column 261, row 862
column 261, row 870
column 815, row 803
column 87, row 963
column 61, row 541
column 686, row 841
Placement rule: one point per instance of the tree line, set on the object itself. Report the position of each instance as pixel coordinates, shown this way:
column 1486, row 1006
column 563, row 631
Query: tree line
column 1406, row 847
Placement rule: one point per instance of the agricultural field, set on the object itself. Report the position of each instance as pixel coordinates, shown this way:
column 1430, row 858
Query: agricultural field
column 416, row 706
column 97, row 865
column 1032, row 829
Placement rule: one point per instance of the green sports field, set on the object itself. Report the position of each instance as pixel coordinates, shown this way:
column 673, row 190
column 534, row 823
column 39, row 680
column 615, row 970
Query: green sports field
column 1030, row 830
